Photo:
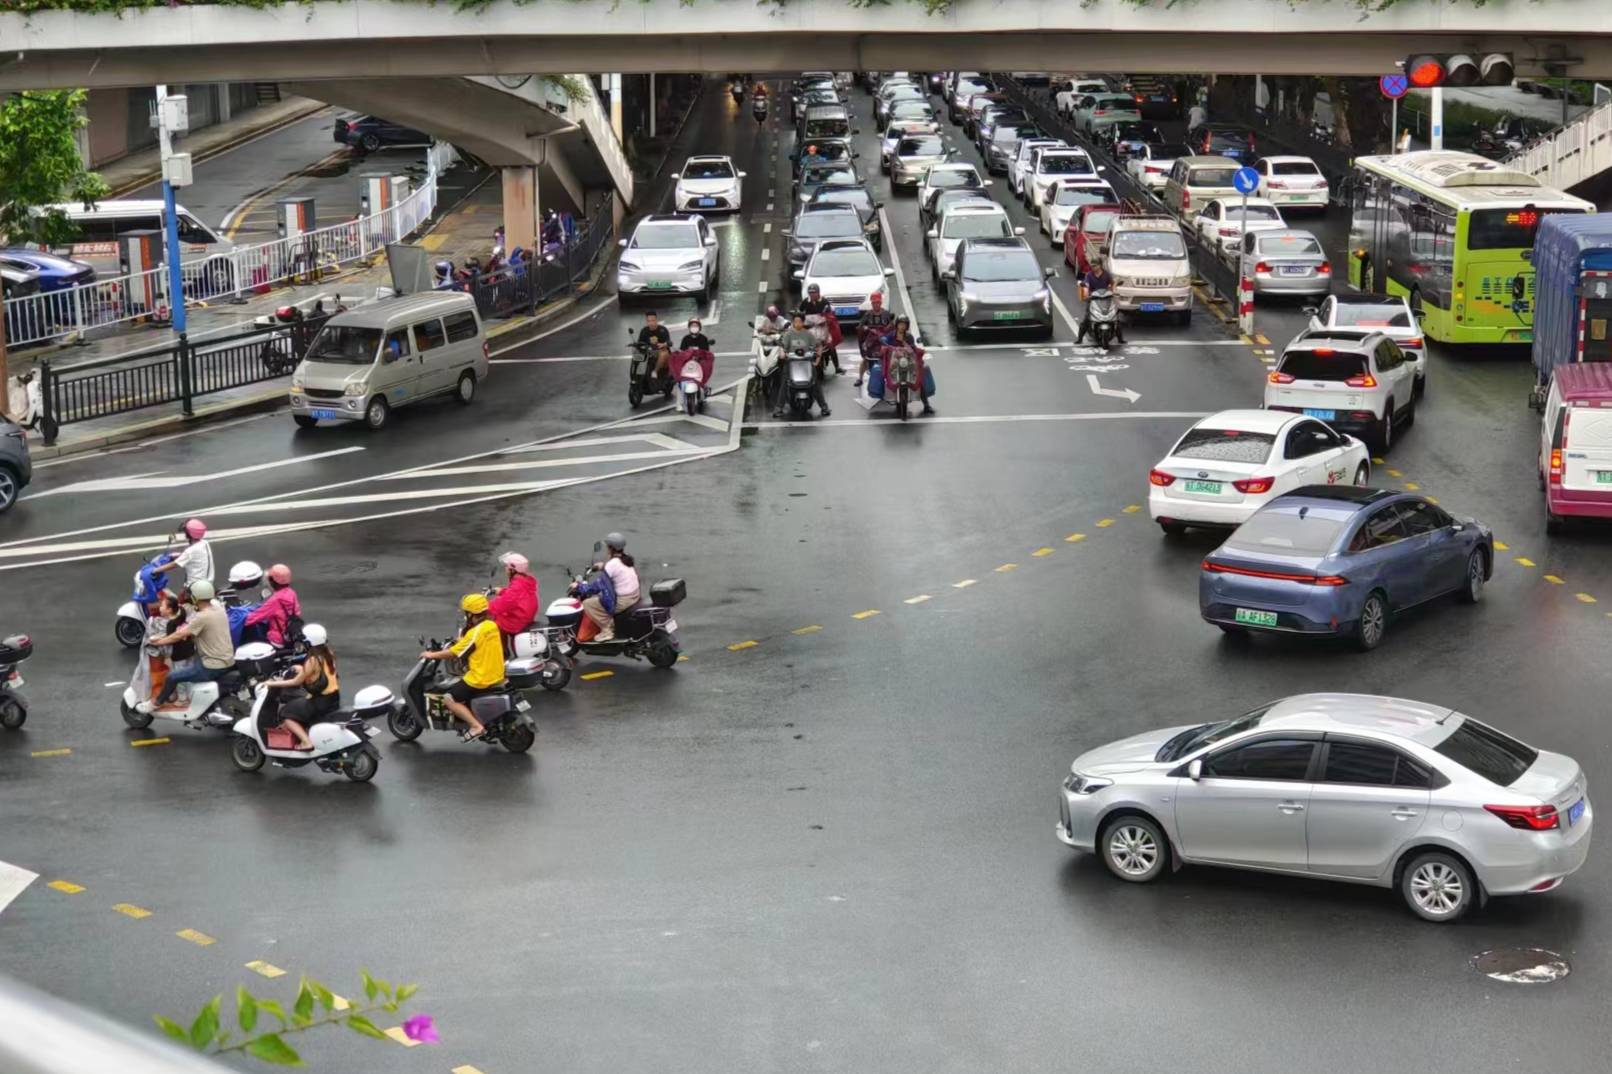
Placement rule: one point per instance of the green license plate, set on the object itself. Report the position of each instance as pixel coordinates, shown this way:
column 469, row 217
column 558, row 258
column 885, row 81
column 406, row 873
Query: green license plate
column 1007, row 315
column 1603, row 477
column 1253, row 618
column 659, row 285
column 1211, row 487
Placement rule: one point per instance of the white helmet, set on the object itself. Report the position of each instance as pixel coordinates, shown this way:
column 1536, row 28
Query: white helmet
column 314, row 634
column 245, row 574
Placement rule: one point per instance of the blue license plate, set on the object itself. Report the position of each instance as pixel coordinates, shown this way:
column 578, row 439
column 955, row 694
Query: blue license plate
column 1575, row 812
column 706, row 201
column 846, row 311
column 1152, row 307
column 1324, row 415
column 324, row 414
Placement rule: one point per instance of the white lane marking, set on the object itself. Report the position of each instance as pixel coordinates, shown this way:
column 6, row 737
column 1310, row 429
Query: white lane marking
column 1097, row 388
column 769, row 206
column 766, row 229
column 141, row 445
column 1063, row 311
column 982, row 419
column 698, row 419
column 762, row 289
column 14, row 880
column 714, row 315
column 562, row 326
column 658, row 439
column 140, row 482
column 563, row 358
column 539, row 464
column 766, row 254
column 895, row 263
column 118, row 683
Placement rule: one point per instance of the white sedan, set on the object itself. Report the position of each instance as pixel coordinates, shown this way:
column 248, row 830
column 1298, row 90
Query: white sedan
column 1221, row 221
column 1058, row 207
column 708, row 184
column 848, row 273
column 1295, row 182
column 1231, row 464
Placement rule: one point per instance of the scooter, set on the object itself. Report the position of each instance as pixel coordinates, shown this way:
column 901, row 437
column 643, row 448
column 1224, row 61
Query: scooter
column 217, row 704
column 1104, row 318
column 737, row 90
column 505, row 714
column 340, row 740
column 826, row 327
column 801, row 372
column 766, row 354
column 903, row 377
column 694, row 368
column 643, row 378
column 758, row 108
column 130, row 625
column 13, row 708
column 645, row 630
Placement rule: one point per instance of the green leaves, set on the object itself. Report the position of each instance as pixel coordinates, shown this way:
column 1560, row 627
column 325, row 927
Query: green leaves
column 205, row 1027
column 302, row 1013
column 271, row 1049
column 246, row 1009
column 172, row 1028
column 40, row 165
column 364, row 1026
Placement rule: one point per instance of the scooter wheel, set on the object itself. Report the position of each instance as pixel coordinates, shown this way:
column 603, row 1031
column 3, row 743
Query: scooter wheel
column 518, row 739
column 555, row 676
column 12, row 713
column 246, row 754
column 129, row 633
column 133, row 717
column 663, row 655
column 404, row 725
column 363, row 766
column 635, row 395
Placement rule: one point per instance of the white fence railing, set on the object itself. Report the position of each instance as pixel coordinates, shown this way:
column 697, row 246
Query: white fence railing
column 237, row 271
column 1576, row 152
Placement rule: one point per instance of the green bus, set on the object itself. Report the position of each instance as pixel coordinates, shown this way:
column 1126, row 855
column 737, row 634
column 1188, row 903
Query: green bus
column 1453, row 232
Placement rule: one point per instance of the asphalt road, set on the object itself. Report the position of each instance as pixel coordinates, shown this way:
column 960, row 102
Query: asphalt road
column 832, row 849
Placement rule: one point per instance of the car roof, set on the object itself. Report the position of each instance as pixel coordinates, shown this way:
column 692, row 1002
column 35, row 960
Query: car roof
column 1148, row 222
column 1354, row 298
column 1349, row 338
column 1283, row 233
column 816, row 207
column 1288, row 158
column 1238, row 202
column 1209, row 160
column 844, row 244
column 974, row 207
column 997, row 244
column 1393, row 717
column 1249, row 420
column 1584, row 381
column 118, row 207
column 1340, row 497
column 708, row 158
column 386, row 313
column 654, row 219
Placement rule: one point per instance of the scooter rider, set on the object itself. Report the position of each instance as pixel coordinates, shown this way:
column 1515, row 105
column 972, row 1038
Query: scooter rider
column 215, row 654
column 197, row 558
column 815, row 305
column 695, row 339
column 812, row 157
column 514, row 605
column 901, row 336
column 317, row 676
column 657, row 340
column 876, row 324
column 278, row 608
column 483, row 670
column 1096, row 279
column 613, row 590
column 801, row 338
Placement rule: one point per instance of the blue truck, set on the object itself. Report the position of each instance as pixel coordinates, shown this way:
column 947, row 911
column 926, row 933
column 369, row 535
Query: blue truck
column 1572, row 260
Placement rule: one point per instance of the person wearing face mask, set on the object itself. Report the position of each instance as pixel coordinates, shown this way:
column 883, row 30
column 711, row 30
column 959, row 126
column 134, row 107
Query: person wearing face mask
column 695, row 340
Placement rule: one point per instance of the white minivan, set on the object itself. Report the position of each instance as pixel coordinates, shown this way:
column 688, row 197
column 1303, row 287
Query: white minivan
column 367, row 362
column 102, row 226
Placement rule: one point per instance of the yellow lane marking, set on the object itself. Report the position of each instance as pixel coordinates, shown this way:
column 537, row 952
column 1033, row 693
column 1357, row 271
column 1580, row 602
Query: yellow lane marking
column 1042, row 551
column 866, row 614
column 1501, row 546
column 1004, row 568
column 1412, row 486
column 200, row 939
column 257, row 965
column 1263, row 342
column 66, row 887
column 919, row 599
column 340, row 1002
column 464, row 1069
column 813, row 629
column 1376, row 460
column 1392, row 472
column 1132, row 508
column 397, row 1034
column 1075, row 538
column 736, row 646
column 63, row 752
column 964, row 584
column 682, row 658
column 151, row 742
column 590, row 676
column 128, row 909
column 1246, row 340
column 1104, row 523
column 1584, row 598
column 1552, row 579
column 1432, row 499
column 1524, row 560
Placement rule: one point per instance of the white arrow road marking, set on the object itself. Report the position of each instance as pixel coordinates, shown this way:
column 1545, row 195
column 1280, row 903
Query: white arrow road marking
column 135, row 483
column 1097, row 388
column 13, row 882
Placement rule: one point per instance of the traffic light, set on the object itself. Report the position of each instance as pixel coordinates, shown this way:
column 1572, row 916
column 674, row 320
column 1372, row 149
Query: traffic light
column 1459, row 69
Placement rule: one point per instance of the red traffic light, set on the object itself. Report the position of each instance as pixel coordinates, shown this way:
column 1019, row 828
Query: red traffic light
column 1425, row 71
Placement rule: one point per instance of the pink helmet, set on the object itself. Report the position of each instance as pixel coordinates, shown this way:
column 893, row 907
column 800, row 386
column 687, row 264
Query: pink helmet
column 195, row 529
column 280, row 574
column 515, row 562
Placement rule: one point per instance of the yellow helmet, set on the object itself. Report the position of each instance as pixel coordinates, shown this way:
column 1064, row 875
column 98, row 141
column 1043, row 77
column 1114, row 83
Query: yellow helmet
column 474, row 603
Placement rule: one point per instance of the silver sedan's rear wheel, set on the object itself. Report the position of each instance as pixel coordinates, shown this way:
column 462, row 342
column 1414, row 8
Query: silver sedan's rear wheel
column 1438, row 886
column 1134, row 849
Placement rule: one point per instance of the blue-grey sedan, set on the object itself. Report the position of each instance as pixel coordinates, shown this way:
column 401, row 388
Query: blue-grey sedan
column 1340, row 560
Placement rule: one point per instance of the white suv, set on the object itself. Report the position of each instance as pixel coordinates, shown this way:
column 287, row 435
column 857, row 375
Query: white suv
column 1389, row 314
column 1050, row 165
column 708, row 184
column 966, row 220
column 1355, row 380
column 1019, row 170
column 669, row 253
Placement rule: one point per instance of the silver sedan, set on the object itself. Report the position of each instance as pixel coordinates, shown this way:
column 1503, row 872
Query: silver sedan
column 1351, row 787
column 1287, row 262
column 912, row 157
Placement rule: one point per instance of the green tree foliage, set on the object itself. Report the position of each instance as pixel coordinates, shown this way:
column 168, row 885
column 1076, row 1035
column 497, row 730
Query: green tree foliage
column 40, row 165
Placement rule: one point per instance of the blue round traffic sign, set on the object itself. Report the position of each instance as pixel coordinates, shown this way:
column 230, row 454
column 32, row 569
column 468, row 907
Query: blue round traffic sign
column 1246, row 180
column 1393, row 86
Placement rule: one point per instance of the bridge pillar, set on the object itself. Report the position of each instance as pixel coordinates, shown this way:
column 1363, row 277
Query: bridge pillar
column 522, row 211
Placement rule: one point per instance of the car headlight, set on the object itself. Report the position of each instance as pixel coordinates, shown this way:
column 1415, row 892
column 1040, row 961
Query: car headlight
column 1042, row 296
column 966, row 297
column 1080, row 784
column 296, row 380
column 355, row 387
column 871, row 226
column 690, row 266
column 630, row 266
column 1181, row 281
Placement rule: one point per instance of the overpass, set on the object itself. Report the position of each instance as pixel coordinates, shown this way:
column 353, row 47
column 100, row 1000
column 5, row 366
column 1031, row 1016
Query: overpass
column 321, row 39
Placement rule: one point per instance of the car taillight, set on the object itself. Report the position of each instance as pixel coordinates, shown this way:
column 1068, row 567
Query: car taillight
column 1254, row 485
column 1262, row 268
column 1275, row 576
column 1186, row 201
column 1279, row 377
column 1535, row 818
column 485, row 353
column 1325, row 268
column 1276, row 184
column 1160, row 478
column 1555, row 466
column 1138, row 98
column 1228, row 231
column 1364, row 380
column 1250, row 141
column 1414, row 341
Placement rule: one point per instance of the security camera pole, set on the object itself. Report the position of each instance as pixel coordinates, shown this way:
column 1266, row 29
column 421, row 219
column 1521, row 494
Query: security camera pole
column 173, row 117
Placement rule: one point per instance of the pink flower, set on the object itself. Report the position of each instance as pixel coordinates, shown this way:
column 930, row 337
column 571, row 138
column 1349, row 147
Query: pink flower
column 420, row 1028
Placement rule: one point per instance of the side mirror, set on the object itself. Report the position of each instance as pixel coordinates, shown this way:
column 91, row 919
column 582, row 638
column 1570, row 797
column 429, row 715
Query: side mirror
column 799, row 274
column 932, row 233
column 621, row 243
column 711, row 240
column 743, row 174
column 989, row 182
column 949, row 274
column 889, row 272
column 1018, row 231
column 1195, row 769
column 878, row 205
column 1313, row 311
column 787, row 232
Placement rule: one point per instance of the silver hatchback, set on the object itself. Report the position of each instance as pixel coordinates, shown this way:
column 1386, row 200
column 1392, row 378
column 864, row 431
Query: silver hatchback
column 1353, row 787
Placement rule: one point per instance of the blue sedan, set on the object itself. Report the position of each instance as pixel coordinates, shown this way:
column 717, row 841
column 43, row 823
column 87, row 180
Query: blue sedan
column 1339, row 560
column 56, row 273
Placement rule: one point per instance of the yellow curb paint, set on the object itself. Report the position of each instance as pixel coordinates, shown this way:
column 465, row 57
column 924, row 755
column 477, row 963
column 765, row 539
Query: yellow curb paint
column 1042, row 551
column 257, row 965
column 200, row 939
column 397, row 1034
column 63, row 752
column 1104, row 523
column 813, row 629
column 1412, row 486
column 151, row 742
column 590, row 676
column 66, row 887
column 1552, row 579
column 1524, row 560
column 919, row 599
column 964, row 584
column 1132, row 508
column 736, row 646
column 1004, row 568
column 1394, row 473
column 1501, row 546
column 128, row 909
column 1075, row 538
column 1584, row 598
column 866, row 614
column 682, row 658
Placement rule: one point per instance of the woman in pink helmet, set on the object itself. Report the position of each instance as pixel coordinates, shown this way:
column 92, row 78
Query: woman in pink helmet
column 197, row 558
column 514, row 606
column 278, row 608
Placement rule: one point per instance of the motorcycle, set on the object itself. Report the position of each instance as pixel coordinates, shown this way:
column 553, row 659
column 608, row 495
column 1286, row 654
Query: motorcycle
column 694, row 368
column 340, row 740
column 647, row 629
column 643, row 378
column 13, row 707
column 277, row 362
column 504, row 714
column 765, row 357
column 1104, row 315
column 758, row 108
column 826, row 327
column 217, row 704
column 130, row 625
column 737, row 89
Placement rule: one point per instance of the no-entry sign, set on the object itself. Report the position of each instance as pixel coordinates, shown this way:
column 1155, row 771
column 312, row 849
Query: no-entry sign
column 1393, row 86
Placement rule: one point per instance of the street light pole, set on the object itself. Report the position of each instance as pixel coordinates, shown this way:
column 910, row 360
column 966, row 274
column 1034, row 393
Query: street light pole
column 170, row 217
column 1435, row 137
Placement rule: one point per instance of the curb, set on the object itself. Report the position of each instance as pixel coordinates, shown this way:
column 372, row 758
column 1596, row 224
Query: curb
column 246, row 135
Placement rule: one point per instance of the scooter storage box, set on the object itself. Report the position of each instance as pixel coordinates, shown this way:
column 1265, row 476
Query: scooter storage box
column 669, row 593
column 16, row 648
column 524, row 673
column 561, row 614
column 255, row 660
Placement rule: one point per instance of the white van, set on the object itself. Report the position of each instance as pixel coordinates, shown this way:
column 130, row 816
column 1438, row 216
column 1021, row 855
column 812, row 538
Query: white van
column 103, row 225
column 365, row 363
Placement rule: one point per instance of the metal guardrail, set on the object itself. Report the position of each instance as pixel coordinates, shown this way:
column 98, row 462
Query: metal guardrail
column 507, row 292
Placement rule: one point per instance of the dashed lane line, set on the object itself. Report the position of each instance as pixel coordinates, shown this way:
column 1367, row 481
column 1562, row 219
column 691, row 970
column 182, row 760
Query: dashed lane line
column 62, row 752
column 1131, row 508
column 66, row 887
column 397, row 1034
column 965, row 583
column 150, row 742
column 1523, row 560
column 592, row 675
column 128, row 909
column 919, row 599
column 1585, row 598
column 741, row 645
column 1104, row 523
column 1044, row 550
column 1501, row 546
column 1004, row 568
column 1553, row 579
column 812, row 629
column 258, row 966
column 200, row 939
column 867, row 613
column 1075, row 538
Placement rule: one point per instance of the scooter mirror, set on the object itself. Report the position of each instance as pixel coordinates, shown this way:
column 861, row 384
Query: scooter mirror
column 598, row 546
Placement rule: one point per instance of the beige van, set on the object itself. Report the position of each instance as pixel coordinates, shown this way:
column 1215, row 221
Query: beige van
column 1196, row 180
column 1147, row 257
column 365, row 363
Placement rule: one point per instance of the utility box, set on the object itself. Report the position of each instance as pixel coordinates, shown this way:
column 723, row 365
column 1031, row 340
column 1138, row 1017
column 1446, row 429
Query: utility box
column 176, row 113
column 294, row 216
column 140, row 254
column 374, row 192
column 176, row 168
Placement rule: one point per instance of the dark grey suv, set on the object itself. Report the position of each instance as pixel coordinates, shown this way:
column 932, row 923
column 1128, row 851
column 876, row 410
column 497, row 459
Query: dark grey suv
column 16, row 470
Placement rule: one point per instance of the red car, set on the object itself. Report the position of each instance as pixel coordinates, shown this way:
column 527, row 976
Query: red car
column 1087, row 235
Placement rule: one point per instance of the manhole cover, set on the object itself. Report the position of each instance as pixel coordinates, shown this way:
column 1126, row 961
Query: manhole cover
column 1522, row 965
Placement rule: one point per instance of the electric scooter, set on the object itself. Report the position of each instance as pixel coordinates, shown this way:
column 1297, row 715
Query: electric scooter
column 130, row 625
column 13, row 708
column 217, row 704
column 340, row 740
column 504, row 713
